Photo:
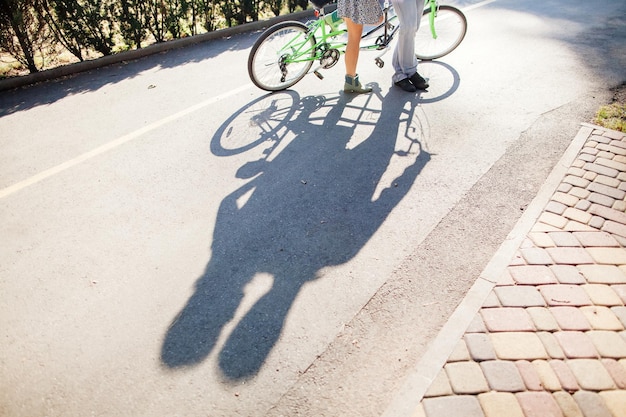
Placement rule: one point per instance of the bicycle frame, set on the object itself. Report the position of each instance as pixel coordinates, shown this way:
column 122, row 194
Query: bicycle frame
column 319, row 29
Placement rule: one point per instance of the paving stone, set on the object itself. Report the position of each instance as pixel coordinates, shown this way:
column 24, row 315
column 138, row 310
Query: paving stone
column 460, row 352
column 538, row 404
column 477, row 325
column 505, row 277
column 502, row 376
column 615, row 401
column 563, row 198
column 580, row 192
column 620, row 290
column 519, row 296
column 577, row 215
column 466, row 377
column 602, row 295
column 597, row 222
column 479, row 346
column 603, row 274
column 517, row 260
column 608, row 344
column 568, row 404
column 453, row 405
column 600, row 239
column 440, row 386
column 541, row 239
column 617, row 372
column 606, row 155
column 529, row 375
column 602, row 318
column 552, row 346
column 553, row 219
column 565, row 375
column 594, row 187
column 591, row 404
column 620, row 205
column 491, row 301
column 618, row 138
column 574, row 226
column 600, row 169
column 611, row 163
column 536, row 256
column 583, row 157
column 570, row 256
column 611, row 256
column 591, row 375
column 518, row 345
column 576, row 344
column 589, row 150
column 620, row 313
column 608, row 181
column 542, row 227
column 583, row 205
column 542, row 319
column 614, row 227
column 498, row 404
column 548, row 377
column 608, row 213
column 567, row 274
column 602, row 199
column 576, row 172
column 570, row 318
column 555, row 207
column 564, row 239
column 567, row 295
column 507, row 319
column 576, row 181
column 532, row 274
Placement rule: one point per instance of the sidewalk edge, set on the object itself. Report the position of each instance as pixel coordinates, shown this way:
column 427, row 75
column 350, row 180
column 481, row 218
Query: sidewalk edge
column 426, row 369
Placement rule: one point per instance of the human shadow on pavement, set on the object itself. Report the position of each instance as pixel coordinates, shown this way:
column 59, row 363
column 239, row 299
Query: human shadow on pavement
column 314, row 205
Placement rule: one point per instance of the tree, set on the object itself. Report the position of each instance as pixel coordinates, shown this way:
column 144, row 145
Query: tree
column 132, row 17
column 90, row 23
column 292, row 5
column 22, row 31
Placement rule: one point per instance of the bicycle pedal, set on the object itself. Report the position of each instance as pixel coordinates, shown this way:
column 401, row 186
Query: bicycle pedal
column 318, row 75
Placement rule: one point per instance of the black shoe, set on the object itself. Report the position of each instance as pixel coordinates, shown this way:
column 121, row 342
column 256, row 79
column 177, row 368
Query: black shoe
column 406, row 85
column 418, row 81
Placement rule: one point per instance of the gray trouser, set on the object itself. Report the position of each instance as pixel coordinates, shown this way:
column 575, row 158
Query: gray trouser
column 409, row 14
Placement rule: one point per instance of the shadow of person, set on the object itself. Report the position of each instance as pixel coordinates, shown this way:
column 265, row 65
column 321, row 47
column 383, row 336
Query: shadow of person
column 312, row 206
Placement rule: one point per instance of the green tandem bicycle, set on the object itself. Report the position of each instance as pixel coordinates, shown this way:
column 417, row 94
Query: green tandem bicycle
column 286, row 51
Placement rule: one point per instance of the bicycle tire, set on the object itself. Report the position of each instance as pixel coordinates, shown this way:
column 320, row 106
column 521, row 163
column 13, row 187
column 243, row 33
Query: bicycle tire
column 269, row 64
column 450, row 26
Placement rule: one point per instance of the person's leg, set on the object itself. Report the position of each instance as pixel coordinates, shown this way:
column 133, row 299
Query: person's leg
column 404, row 60
column 352, row 84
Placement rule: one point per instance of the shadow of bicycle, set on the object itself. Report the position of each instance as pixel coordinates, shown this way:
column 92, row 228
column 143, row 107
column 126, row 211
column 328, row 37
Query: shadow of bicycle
column 323, row 175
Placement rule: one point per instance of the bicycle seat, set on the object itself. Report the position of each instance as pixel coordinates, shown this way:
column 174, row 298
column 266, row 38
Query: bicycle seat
column 321, row 3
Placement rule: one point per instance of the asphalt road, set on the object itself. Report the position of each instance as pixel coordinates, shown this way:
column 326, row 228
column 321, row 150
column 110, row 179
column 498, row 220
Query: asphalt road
column 151, row 266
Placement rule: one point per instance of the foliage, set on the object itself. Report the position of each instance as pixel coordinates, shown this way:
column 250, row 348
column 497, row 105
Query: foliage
column 22, row 32
column 34, row 32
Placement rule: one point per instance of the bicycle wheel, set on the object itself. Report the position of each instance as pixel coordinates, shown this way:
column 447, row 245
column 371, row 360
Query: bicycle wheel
column 281, row 56
column 450, row 27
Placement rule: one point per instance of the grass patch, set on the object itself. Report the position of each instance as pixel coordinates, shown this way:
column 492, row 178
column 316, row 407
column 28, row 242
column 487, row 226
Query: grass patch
column 613, row 116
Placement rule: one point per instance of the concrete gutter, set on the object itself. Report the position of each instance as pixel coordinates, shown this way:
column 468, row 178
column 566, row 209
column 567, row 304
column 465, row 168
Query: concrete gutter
column 65, row 70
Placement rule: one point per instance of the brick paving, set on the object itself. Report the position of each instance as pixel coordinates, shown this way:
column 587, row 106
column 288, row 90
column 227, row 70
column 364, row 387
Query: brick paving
column 550, row 338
